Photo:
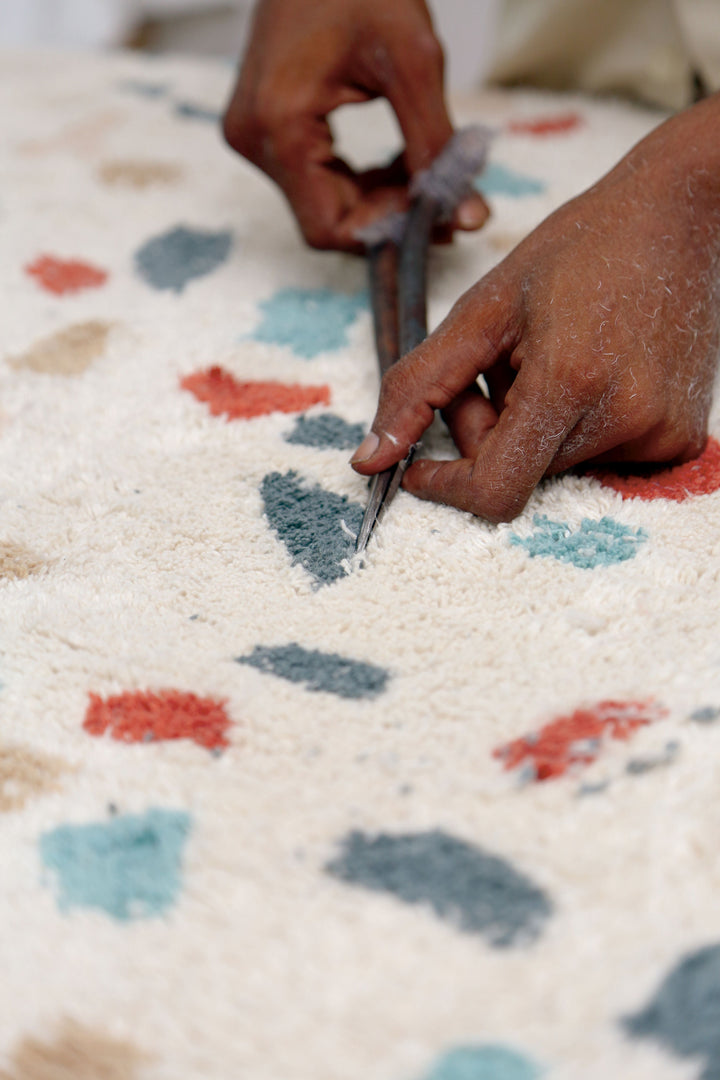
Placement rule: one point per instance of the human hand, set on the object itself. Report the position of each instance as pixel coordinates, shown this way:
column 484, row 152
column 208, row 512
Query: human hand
column 306, row 59
column 597, row 337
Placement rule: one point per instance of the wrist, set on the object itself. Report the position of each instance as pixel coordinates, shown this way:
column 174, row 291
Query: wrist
column 680, row 161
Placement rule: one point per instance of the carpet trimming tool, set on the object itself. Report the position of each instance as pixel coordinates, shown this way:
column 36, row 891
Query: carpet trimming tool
column 397, row 251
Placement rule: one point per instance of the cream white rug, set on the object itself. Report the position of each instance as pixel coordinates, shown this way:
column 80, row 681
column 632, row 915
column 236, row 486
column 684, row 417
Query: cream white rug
column 266, row 814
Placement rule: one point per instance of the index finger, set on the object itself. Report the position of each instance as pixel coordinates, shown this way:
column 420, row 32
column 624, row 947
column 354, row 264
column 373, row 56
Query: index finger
column 483, row 325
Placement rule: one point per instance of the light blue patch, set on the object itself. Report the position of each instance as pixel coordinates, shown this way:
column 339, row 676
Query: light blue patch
column 328, row 672
column 176, row 257
column 594, row 543
column 684, row 1014
column 188, row 111
column 129, row 867
column 316, row 526
column 477, row 892
column 308, row 321
column 483, row 1063
column 498, row 179
column 324, row 431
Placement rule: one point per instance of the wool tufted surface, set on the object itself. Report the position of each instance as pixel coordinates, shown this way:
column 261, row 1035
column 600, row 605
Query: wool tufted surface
column 266, row 813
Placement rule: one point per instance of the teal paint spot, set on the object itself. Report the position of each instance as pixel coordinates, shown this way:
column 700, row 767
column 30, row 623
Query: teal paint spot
column 188, row 111
column 308, row 321
column 129, row 867
column 172, row 260
column 316, row 526
column 476, row 892
column 595, row 543
column 324, row 431
column 483, row 1063
column 498, row 179
column 708, row 714
column 327, row 672
column 684, row 1015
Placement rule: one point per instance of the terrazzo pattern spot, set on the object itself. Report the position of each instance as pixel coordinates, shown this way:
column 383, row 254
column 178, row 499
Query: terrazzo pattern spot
column 18, row 562
column 474, row 891
column 308, row 321
column 65, row 276
column 69, row 351
column 26, row 774
column 592, row 544
column 576, row 740
column 243, row 400
column 145, row 716
column 319, row 671
column 684, row 1013
column 139, row 174
column 77, row 1052
column 317, row 527
column 483, row 1063
column 129, row 867
column 326, row 432
column 498, row 179
column 678, row 483
column 181, row 255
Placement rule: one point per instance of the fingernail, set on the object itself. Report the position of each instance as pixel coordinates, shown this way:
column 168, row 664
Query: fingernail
column 472, row 213
column 366, row 449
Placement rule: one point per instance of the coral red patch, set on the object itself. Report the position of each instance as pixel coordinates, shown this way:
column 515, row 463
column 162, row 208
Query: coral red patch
column 226, row 396
column 558, row 124
column 145, row 717
column 577, row 739
column 699, row 477
column 62, row 276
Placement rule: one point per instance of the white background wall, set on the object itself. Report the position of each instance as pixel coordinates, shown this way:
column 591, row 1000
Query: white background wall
column 218, row 27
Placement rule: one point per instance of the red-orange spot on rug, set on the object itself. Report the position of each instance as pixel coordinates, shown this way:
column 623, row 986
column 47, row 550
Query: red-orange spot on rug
column 62, row 276
column 576, row 740
column 144, row 716
column 226, row 396
column 557, row 124
column 698, row 477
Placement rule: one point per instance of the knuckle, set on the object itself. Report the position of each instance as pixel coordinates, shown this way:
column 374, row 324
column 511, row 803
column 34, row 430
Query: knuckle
column 234, row 128
column 426, row 53
column 494, row 498
column 500, row 507
column 320, row 236
column 393, row 385
column 645, row 415
column 251, row 118
column 241, row 132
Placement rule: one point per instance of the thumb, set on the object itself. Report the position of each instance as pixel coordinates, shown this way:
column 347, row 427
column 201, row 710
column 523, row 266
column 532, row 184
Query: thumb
column 481, row 327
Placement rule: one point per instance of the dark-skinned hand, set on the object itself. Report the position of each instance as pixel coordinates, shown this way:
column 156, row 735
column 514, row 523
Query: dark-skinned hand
column 597, row 337
column 304, row 60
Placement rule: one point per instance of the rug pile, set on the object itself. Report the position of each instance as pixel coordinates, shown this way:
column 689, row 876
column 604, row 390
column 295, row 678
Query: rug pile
column 264, row 812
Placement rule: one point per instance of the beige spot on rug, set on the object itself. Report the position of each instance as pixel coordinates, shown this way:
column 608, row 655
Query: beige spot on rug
column 25, row 774
column 505, row 241
column 68, row 352
column 79, row 1053
column 139, row 174
column 17, row 562
column 82, row 137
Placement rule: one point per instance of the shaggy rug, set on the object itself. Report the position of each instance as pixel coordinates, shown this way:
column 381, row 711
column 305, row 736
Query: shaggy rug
column 265, row 813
